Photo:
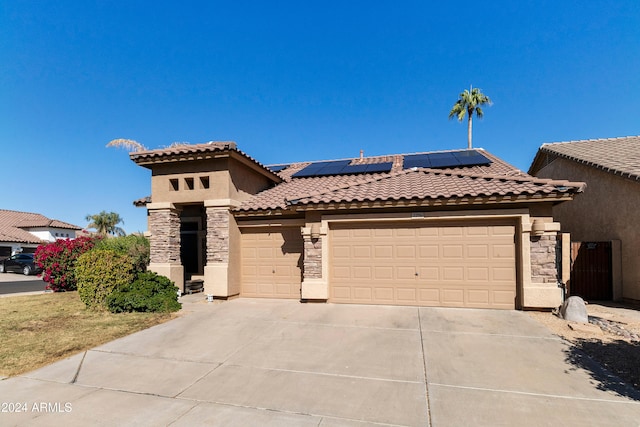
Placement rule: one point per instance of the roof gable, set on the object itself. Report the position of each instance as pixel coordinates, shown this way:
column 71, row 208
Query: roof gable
column 618, row 156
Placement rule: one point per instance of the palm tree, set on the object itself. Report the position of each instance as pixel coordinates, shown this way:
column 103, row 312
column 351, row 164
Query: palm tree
column 106, row 223
column 470, row 101
column 129, row 144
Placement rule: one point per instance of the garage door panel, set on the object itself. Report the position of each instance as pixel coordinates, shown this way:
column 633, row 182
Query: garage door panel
column 453, row 297
column 383, row 252
column 384, row 294
column 478, row 231
column 429, row 297
column 430, row 274
column 503, row 251
column 361, row 252
column 478, row 251
column 453, row 273
column 271, row 262
column 452, row 231
column 504, row 274
column 478, row 297
column 452, row 251
column 480, row 274
column 406, row 295
column 341, row 251
column 467, row 265
column 502, row 297
column 362, row 273
column 362, row 294
column 502, row 230
column 428, row 251
column 406, row 273
column 383, row 273
column 406, row 251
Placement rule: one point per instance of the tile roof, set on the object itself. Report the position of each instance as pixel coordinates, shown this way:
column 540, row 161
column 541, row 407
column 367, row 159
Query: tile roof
column 496, row 179
column 192, row 152
column 13, row 225
column 620, row 156
column 420, row 184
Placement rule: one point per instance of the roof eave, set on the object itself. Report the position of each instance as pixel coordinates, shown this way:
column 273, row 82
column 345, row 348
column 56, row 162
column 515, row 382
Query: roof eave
column 299, row 206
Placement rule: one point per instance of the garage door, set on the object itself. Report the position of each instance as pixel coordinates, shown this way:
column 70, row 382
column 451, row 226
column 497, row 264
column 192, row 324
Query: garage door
column 272, row 262
column 446, row 264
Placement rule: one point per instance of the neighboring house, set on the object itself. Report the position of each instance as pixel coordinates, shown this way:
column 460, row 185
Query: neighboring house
column 609, row 208
column 456, row 228
column 25, row 231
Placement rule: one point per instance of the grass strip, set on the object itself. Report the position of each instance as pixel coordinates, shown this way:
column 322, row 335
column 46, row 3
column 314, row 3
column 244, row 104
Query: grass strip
column 36, row 330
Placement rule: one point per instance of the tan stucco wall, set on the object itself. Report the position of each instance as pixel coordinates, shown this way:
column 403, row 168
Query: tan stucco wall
column 228, row 179
column 609, row 209
column 214, row 170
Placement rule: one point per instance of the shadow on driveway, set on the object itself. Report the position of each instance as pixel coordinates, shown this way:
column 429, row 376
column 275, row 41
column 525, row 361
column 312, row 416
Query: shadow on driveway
column 620, row 360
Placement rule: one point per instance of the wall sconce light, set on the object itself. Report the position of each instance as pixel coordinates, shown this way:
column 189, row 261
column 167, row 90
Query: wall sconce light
column 315, row 231
column 537, row 228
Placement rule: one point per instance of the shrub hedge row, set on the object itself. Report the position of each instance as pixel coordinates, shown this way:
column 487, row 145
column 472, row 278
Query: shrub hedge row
column 109, row 273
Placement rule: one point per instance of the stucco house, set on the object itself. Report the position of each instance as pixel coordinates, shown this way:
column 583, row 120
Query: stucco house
column 25, row 231
column 458, row 228
column 609, row 208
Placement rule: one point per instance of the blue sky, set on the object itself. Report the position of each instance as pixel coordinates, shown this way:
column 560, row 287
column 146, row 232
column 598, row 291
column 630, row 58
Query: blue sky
column 294, row 81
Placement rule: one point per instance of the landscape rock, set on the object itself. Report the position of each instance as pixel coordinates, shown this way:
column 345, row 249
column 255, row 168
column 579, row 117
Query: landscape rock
column 575, row 310
column 585, row 327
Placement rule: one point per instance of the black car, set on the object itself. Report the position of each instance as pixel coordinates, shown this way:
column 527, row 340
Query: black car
column 20, row 263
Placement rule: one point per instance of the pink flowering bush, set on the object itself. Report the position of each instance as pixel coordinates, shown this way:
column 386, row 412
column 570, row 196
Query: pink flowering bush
column 58, row 259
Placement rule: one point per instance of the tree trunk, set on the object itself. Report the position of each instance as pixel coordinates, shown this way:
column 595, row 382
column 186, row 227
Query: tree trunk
column 469, row 125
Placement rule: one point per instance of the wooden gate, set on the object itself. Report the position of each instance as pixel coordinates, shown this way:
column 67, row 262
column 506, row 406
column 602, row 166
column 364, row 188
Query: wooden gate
column 591, row 276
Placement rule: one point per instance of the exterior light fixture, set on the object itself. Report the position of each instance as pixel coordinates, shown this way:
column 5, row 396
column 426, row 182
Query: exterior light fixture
column 315, row 231
column 537, row 228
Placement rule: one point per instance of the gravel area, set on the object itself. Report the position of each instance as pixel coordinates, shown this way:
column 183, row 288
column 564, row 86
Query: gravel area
column 612, row 338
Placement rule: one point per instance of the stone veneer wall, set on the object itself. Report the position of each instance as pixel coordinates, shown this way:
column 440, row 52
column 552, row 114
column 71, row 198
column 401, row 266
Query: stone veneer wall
column 312, row 266
column 544, row 264
column 164, row 225
column 217, row 234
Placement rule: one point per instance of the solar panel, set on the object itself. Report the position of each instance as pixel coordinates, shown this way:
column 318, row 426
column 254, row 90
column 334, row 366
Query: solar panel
column 443, row 160
column 341, row 167
column 379, row 167
column 417, row 161
column 277, row 168
column 354, row 169
column 448, row 159
column 471, row 158
column 322, row 169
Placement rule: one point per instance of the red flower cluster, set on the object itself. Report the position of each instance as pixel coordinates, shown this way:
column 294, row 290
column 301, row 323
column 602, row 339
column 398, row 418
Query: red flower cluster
column 57, row 260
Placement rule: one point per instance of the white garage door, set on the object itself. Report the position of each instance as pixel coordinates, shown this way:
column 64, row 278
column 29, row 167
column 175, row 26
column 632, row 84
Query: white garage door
column 471, row 264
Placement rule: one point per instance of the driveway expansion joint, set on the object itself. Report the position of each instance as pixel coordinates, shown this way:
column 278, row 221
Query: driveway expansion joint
column 528, row 393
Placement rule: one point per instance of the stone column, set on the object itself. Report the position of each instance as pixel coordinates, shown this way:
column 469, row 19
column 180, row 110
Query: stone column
column 541, row 287
column 544, row 262
column 216, row 272
column 164, row 227
column 314, row 284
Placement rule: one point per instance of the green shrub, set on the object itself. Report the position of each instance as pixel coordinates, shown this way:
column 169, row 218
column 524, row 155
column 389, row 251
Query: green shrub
column 135, row 246
column 148, row 293
column 98, row 272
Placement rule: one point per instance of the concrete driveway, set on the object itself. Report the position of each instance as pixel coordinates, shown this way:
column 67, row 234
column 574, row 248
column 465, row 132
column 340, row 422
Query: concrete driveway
column 282, row 363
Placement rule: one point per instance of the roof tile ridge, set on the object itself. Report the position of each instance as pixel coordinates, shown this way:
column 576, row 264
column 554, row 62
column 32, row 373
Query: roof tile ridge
column 518, row 178
column 572, row 141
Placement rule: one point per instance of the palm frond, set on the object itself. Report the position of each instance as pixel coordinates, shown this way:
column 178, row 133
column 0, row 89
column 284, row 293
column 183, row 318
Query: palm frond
column 128, row 144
